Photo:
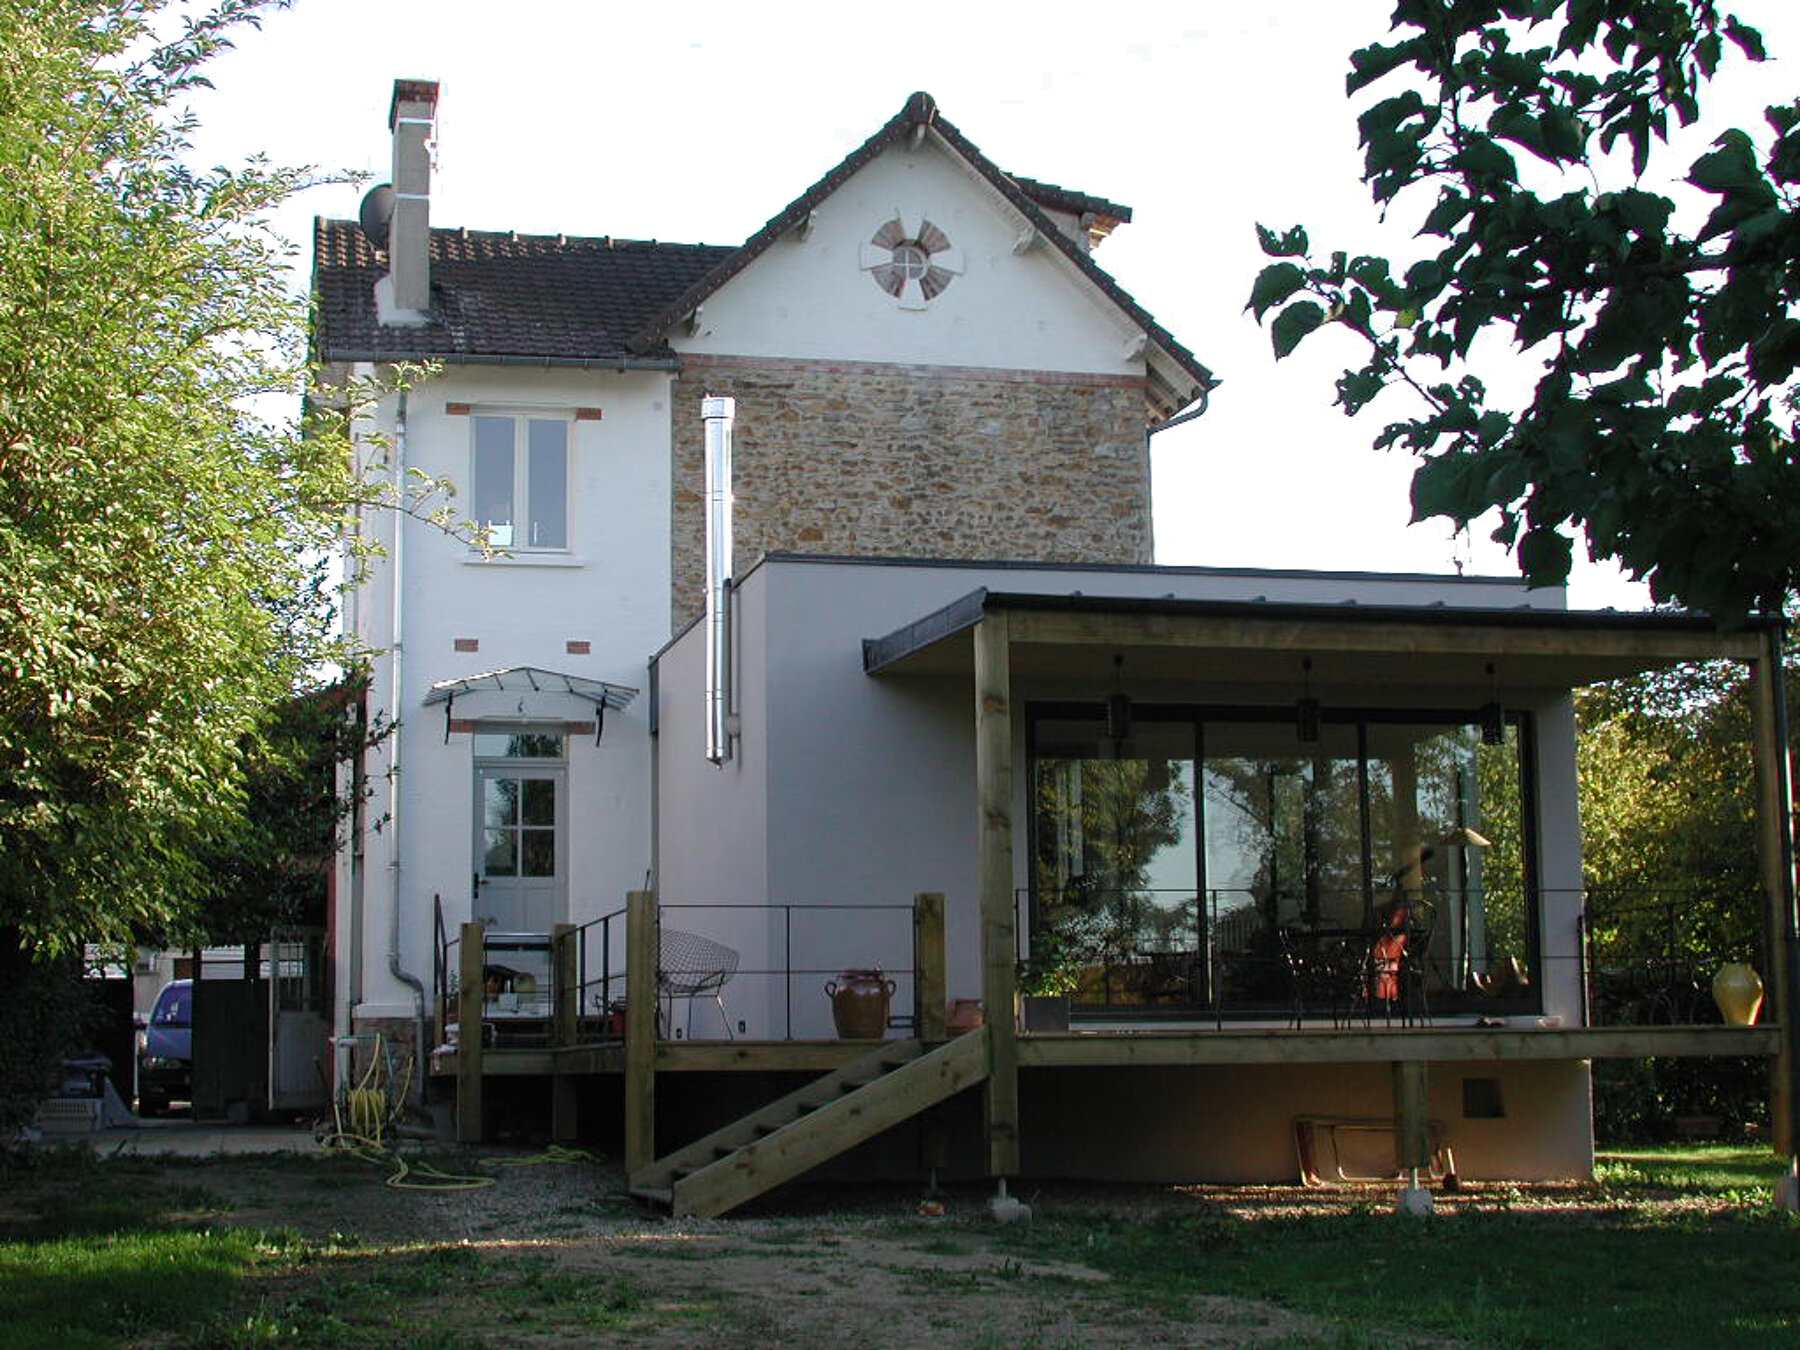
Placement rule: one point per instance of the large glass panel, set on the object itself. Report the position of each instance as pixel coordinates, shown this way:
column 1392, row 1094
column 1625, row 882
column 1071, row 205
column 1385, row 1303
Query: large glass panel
column 1115, row 868
column 1450, row 848
column 1283, row 847
column 547, row 488
column 491, row 502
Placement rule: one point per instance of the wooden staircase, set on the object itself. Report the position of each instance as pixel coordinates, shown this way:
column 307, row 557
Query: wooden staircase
column 778, row 1142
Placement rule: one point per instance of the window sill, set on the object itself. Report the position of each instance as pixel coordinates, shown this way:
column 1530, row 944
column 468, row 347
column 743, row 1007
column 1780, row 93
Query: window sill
column 526, row 560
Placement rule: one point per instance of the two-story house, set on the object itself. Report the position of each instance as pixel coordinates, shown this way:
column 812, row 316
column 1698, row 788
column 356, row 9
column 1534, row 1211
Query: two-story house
column 944, row 664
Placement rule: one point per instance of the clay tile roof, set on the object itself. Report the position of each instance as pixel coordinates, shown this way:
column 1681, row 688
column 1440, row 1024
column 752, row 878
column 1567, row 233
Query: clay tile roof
column 1054, row 198
column 533, row 297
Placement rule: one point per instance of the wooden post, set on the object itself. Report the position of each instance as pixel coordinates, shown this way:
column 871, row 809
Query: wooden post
column 470, row 994
column 929, row 990
column 565, row 987
column 642, row 951
column 1412, row 1125
column 999, row 947
column 1775, row 858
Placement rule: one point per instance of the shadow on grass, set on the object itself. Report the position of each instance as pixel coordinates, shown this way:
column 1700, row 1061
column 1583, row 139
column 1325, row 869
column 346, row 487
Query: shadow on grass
column 1720, row 1278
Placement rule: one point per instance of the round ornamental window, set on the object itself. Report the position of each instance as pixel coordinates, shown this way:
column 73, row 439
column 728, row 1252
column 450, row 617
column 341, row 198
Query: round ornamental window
column 911, row 262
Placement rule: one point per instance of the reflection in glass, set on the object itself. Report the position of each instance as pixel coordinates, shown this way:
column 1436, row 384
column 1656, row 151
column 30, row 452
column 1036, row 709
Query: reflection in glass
column 1115, row 865
column 539, row 853
column 1254, row 852
column 518, row 745
column 540, row 801
column 491, row 501
column 501, row 858
column 501, row 802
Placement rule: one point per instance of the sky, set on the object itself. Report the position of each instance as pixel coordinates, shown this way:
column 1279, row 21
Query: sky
column 697, row 122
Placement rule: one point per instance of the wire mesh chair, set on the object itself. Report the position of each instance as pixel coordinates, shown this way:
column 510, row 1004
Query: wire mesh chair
column 690, row 966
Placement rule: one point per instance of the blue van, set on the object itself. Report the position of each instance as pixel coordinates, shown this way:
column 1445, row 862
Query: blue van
column 166, row 1056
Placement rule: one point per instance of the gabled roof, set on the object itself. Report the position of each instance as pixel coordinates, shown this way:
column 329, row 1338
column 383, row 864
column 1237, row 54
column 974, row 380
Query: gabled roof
column 557, row 300
column 498, row 297
column 920, row 116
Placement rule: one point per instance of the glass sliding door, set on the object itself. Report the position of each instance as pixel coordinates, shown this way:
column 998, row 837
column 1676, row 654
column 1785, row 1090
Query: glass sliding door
column 1114, row 878
column 1191, row 862
column 1283, row 834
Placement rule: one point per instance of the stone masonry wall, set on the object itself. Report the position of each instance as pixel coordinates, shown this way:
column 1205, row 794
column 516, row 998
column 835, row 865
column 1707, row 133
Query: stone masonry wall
column 909, row 461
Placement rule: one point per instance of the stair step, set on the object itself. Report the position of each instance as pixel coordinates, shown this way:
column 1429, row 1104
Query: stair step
column 784, row 1113
column 787, row 1151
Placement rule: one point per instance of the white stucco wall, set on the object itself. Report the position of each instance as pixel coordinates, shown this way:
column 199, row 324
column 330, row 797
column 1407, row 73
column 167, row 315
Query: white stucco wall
column 811, row 297
column 609, row 590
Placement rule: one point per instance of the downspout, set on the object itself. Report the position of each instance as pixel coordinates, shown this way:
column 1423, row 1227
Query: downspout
column 1199, row 410
column 396, row 688
column 719, row 415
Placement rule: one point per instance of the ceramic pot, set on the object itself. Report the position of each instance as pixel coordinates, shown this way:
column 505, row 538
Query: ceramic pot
column 1738, row 990
column 965, row 1015
column 859, row 1004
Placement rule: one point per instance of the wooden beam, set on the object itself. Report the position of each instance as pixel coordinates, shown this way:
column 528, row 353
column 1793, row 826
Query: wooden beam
column 1073, row 628
column 641, row 954
column 1412, row 1123
column 1774, row 850
column 470, row 994
column 1434, row 1044
column 929, row 982
column 999, row 946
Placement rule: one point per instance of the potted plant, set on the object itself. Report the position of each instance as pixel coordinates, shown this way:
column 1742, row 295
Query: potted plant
column 1046, row 982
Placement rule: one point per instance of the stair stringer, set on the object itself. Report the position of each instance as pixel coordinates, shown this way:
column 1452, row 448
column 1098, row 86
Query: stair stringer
column 765, row 1120
column 822, row 1134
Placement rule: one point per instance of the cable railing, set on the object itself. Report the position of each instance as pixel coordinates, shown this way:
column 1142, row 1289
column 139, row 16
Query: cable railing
column 1404, row 954
column 765, row 969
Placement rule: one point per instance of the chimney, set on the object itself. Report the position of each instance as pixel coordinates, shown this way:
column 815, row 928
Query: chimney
column 413, row 119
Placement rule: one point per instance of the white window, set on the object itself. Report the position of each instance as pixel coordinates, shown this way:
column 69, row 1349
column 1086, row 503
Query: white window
column 521, row 480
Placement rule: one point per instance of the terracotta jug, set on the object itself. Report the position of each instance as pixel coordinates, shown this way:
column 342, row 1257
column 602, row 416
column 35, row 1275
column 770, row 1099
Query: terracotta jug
column 859, row 1004
column 1738, row 990
column 965, row 1015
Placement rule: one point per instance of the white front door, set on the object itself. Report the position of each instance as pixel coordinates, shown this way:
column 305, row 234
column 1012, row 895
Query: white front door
column 521, row 823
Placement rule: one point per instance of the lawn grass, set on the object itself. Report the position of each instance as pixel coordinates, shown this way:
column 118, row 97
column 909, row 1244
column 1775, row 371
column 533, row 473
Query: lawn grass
column 1673, row 1247
column 1626, row 1272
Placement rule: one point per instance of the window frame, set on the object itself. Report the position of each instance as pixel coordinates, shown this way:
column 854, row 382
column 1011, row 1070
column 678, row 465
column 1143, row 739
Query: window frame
column 521, row 418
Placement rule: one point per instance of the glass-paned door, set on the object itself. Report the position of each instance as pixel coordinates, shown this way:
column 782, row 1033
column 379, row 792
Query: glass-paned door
column 1115, row 885
column 521, row 826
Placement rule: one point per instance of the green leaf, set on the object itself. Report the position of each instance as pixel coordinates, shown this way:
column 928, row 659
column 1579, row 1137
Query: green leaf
column 1292, row 324
column 1274, row 284
column 1732, row 165
column 1371, row 63
column 1749, row 40
column 1289, row 245
column 1544, row 557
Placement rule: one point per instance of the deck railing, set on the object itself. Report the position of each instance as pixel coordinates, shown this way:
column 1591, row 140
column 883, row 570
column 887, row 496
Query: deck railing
column 784, row 957
column 1637, row 957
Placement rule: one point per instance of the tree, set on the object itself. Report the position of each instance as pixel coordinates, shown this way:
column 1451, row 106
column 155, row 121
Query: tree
column 1662, row 426
column 155, row 531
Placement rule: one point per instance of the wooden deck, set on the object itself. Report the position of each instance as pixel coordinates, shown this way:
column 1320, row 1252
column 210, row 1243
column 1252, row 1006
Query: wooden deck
column 1162, row 1048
